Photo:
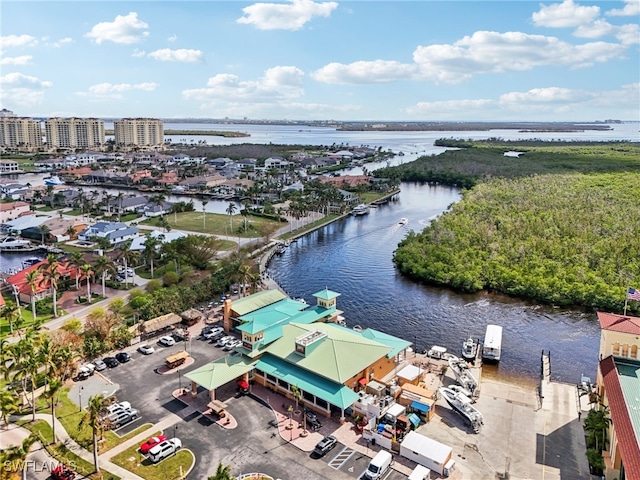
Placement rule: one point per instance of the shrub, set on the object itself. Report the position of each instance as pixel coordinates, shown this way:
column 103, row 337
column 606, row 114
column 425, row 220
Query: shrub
column 170, row 278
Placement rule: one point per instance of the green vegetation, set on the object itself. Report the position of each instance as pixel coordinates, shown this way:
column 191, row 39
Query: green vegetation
column 554, row 224
column 218, row 224
column 173, row 467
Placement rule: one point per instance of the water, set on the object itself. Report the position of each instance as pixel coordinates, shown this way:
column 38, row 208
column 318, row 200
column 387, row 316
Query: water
column 353, row 257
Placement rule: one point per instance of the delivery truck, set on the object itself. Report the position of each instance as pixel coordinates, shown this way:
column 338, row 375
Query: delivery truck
column 427, row 452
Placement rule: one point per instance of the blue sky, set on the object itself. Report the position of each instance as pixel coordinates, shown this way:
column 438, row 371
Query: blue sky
column 302, row 59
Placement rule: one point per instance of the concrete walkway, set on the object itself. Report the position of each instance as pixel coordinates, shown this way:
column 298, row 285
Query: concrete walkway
column 71, row 444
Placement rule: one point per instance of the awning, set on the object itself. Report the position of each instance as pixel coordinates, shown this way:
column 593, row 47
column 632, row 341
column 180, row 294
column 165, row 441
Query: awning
column 414, row 419
column 420, row 406
column 363, row 381
column 243, row 384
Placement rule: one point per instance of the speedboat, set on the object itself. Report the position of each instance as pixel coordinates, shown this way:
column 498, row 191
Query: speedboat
column 462, row 404
column 463, row 375
column 403, row 221
column 13, row 243
column 53, row 180
column 436, row 351
column 469, row 349
column 361, row 209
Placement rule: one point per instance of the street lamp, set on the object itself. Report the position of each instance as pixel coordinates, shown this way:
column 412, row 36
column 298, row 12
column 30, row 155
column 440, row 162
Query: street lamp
column 180, row 381
column 80, row 397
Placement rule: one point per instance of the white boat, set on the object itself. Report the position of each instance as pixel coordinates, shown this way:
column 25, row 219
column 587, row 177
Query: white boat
column 361, row 209
column 463, row 374
column 53, row 180
column 469, row 349
column 403, row 221
column 462, row 404
column 13, row 243
column 492, row 348
column 436, row 352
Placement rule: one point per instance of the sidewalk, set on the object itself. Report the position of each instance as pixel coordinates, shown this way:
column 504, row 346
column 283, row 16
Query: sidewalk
column 63, row 436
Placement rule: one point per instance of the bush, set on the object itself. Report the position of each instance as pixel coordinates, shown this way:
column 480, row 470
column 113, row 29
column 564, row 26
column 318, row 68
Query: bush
column 170, row 278
column 153, row 285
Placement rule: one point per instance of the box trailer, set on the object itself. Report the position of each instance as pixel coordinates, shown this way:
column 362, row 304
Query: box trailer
column 177, row 359
column 427, row 452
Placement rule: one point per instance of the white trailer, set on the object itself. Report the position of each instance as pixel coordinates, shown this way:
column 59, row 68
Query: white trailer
column 427, row 452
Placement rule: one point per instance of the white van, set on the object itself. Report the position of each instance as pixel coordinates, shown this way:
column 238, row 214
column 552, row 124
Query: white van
column 420, row 473
column 164, row 449
column 378, row 465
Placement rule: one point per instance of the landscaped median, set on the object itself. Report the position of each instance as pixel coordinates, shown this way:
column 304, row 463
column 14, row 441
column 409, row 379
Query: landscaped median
column 174, row 467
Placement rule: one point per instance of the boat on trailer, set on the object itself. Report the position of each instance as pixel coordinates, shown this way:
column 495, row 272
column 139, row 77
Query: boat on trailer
column 462, row 404
column 463, row 374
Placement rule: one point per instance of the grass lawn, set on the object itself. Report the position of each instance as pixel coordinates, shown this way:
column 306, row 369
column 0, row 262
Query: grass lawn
column 218, row 224
column 61, row 453
column 167, row 469
column 5, row 328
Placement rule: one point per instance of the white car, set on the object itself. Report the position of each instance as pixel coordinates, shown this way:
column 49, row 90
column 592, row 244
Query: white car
column 146, row 349
column 232, row 344
column 164, row 449
column 166, row 341
column 224, row 340
column 213, row 332
column 116, row 408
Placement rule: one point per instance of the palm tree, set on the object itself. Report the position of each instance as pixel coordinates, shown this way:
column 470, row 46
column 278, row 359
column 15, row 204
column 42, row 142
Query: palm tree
column 71, row 232
column 150, row 246
column 51, row 274
column 231, row 209
column 44, row 233
column 55, row 385
column 223, row 472
column 32, row 279
column 119, row 198
column 93, row 418
column 87, row 272
column 10, row 313
column 9, row 404
column 102, row 266
column 49, row 191
column 128, row 256
column 76, row 261
column 204, row 215
column 14, row 458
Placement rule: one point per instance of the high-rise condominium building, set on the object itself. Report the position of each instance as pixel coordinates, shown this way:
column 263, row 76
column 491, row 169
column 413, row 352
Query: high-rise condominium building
column 74, row 132
column 20, row 132
column 139, row 132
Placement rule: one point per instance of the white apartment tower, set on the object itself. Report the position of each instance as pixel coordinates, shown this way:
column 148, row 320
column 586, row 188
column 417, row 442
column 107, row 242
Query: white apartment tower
column 74, row 132
column 139, row 132
column 20, row 132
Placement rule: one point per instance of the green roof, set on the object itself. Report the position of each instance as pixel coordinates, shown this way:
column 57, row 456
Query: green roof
column 629, row 375
column 256, row 301
column 221, row 371
column 326, row 294
column 271, row 315
column 397, row 344
column 332, row 392
column 339, row 356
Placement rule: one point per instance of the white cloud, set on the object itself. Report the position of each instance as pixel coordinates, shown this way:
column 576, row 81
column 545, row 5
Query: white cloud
column 454, row 107
column 291, row 16
column 277, row 84
column 19, row 90
column 632, row 8
column 565, row 14
column 172, row 38
column 62, row 42
column 363, row 72
column 628, row 34
column 125, row 29
column 115, row 90
column 180, row 55
column 137, row 53
column 10, row 41
column 21, row 60
column 550, row 95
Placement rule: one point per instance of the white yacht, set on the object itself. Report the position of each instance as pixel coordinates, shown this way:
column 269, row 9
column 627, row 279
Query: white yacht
column 463, row 374
column 13, row 243
column 403, row 221
column 53, row 180
column 361, row 209
column 462, row 404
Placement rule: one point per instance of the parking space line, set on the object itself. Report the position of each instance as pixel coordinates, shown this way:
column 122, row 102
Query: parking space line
column 340, row 459
column 126, row 424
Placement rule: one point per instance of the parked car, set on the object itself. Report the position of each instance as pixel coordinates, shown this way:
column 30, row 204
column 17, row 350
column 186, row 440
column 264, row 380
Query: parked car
column 146, row 349
column 232, row 344
column 209, row 334
column 152, row 442
column 120, row 279
column 111, row 362
column 217, row 337
column 166, row 341
column 117, row 407
column 312, row 421
column 324, row 445
column 123, row 357
column 124, row 417
column 179, row 336
column 100, row 365
column 224, row 340
column 164, row 449
column 62, row 472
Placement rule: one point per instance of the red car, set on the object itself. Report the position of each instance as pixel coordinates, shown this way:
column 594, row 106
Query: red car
column 152, row 442
column 62, row 472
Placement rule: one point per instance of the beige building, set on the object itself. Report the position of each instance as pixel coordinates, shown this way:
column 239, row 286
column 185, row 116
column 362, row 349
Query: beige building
column 139, row 132
column 20, row 132
column 74, row 132
column 618, row 389
column 13, row 210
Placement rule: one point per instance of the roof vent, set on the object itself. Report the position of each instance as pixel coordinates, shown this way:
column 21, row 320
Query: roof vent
column 305, row 343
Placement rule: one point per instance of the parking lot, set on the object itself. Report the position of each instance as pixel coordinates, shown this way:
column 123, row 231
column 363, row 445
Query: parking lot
column 254, row 446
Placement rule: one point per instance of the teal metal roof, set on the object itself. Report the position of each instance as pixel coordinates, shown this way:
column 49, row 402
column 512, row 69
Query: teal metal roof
column 397, row 344
column 332, row 392
column 271, row 315
column 629, row 375
column 326, row 294
column 221, row 371
column 256, row 301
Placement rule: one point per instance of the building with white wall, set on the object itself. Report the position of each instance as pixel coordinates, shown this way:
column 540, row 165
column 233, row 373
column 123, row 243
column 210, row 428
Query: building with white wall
column 20, row 132
column 74, row 132
column 139, row 132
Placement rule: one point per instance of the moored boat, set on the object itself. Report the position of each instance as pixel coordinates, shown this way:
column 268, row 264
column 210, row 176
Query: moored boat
column 463, row 375
column 469, row 349
column 462, row 404
column 361, row 209
column 53, row 180
column 9, row 244
column 436, row 352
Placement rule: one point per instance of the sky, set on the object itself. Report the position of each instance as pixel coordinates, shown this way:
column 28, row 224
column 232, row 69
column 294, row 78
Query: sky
column 420, row 60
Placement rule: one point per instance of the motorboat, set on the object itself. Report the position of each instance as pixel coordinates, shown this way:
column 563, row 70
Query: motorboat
column 13, row 243
column 361, row 209
column 403, row 221
column 437, row 352
column 463, row 374
column 280, row 249
column 469, row 349
column 30, row 262
column 462, row 404
column 53, row 180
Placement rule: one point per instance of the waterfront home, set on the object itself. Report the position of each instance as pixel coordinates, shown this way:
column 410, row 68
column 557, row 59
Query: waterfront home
column 168, row 178
column 617, row 387
column 115, row 232
column 17, row 225
column 42, row 285
column 9, row 167
column 219, row 163
column 200, row 183
column 14, row 191
column 59, row 230
column 13, row 210
column 155, row 209
column 127, row 204
column 139, row 175
column 276, row 162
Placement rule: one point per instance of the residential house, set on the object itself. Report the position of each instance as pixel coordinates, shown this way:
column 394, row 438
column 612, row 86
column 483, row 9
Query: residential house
column 154, row 209
column 199, row 183
column 163, row 237
column 139, row 175
column 168, row 178
column 127, row 204
column 219, row 163
column 42, row 286
column 349, row 181
column 60, row 230
column 74, row 174
column 276, row 162
column 9, row 166
column 617, row 387
column 115, row 232
column 17, row 225
column 13, row 210
column 13, row 191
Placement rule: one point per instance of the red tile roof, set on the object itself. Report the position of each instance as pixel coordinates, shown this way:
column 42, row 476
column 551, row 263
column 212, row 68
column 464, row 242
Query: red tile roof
column 19, row 279
column 627, row 441
column 619, row 323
